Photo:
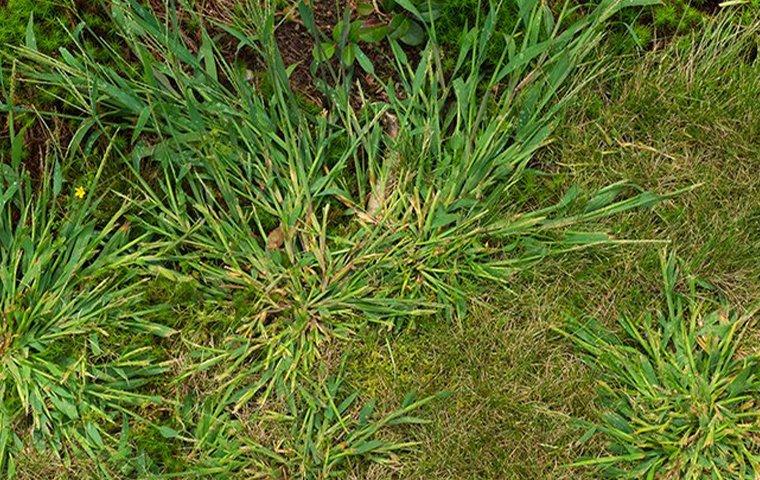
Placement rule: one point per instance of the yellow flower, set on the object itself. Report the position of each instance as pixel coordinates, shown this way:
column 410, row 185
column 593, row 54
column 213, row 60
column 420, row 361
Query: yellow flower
column 79, row 192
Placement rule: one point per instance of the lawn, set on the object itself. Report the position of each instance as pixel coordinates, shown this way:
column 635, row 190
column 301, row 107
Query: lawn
column 381, row 240
column 518, row 387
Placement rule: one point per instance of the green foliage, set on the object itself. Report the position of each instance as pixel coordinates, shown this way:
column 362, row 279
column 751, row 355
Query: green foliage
column 46, row 15
column 691, row 109
column 676, row 17
column 632, row 28
column 250, row 185
column 455, row 17
column 298, row 228
column 347, row 36
column 452, row 19
column 321, row 431
column 680, row 399
column 311, row 226
column 67, row 284
column 672, row 18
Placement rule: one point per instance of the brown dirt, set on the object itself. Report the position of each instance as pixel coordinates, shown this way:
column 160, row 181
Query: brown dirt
column 293, row 39
column 215, row 10
column 37, row 143
column 296, row 45
column 710, row 7
column 295, row 42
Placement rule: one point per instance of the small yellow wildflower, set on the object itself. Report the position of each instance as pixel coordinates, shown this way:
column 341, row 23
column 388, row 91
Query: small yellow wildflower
column 79, row 192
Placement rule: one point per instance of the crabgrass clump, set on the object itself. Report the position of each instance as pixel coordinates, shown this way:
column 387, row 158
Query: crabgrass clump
column 318, row 433
column 326, row 222
column 67, row 285
column 680, row 399
column 311, row 225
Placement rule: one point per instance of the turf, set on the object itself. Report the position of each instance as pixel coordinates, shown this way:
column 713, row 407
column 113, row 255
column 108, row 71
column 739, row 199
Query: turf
column 688, row 115
column 367, row 293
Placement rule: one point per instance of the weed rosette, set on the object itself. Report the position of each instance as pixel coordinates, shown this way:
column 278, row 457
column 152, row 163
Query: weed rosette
column 680, row 399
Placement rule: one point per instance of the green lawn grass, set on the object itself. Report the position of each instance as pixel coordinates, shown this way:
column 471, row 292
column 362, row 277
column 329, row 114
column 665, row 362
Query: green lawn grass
column 688, row 115
column 302, row 273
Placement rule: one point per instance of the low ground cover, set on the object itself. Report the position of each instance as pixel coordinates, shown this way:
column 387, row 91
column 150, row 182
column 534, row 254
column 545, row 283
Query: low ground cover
column 210, row 273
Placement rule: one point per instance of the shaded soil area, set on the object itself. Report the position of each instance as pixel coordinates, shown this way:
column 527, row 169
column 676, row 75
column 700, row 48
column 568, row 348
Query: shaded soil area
column 296, row 44
column 221, row 11
column 707, row 6
column 294, row 40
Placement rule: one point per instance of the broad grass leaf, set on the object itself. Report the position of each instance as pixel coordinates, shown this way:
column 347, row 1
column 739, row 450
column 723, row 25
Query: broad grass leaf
column 364, row 61
column 307, row 17
column 374, row 33
column 739, row 383
column 408, row 420
column 167, row 432
column 409, row 6
column 414, row 35
column 348, row 55
column 367, row 446
column 154, row 328
column 366, row 412
column 590, row 431
column 207, row 54
column 142, row 120
column 63, row 405
column 94, row 435
column 57, row 178
column 31, row 41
